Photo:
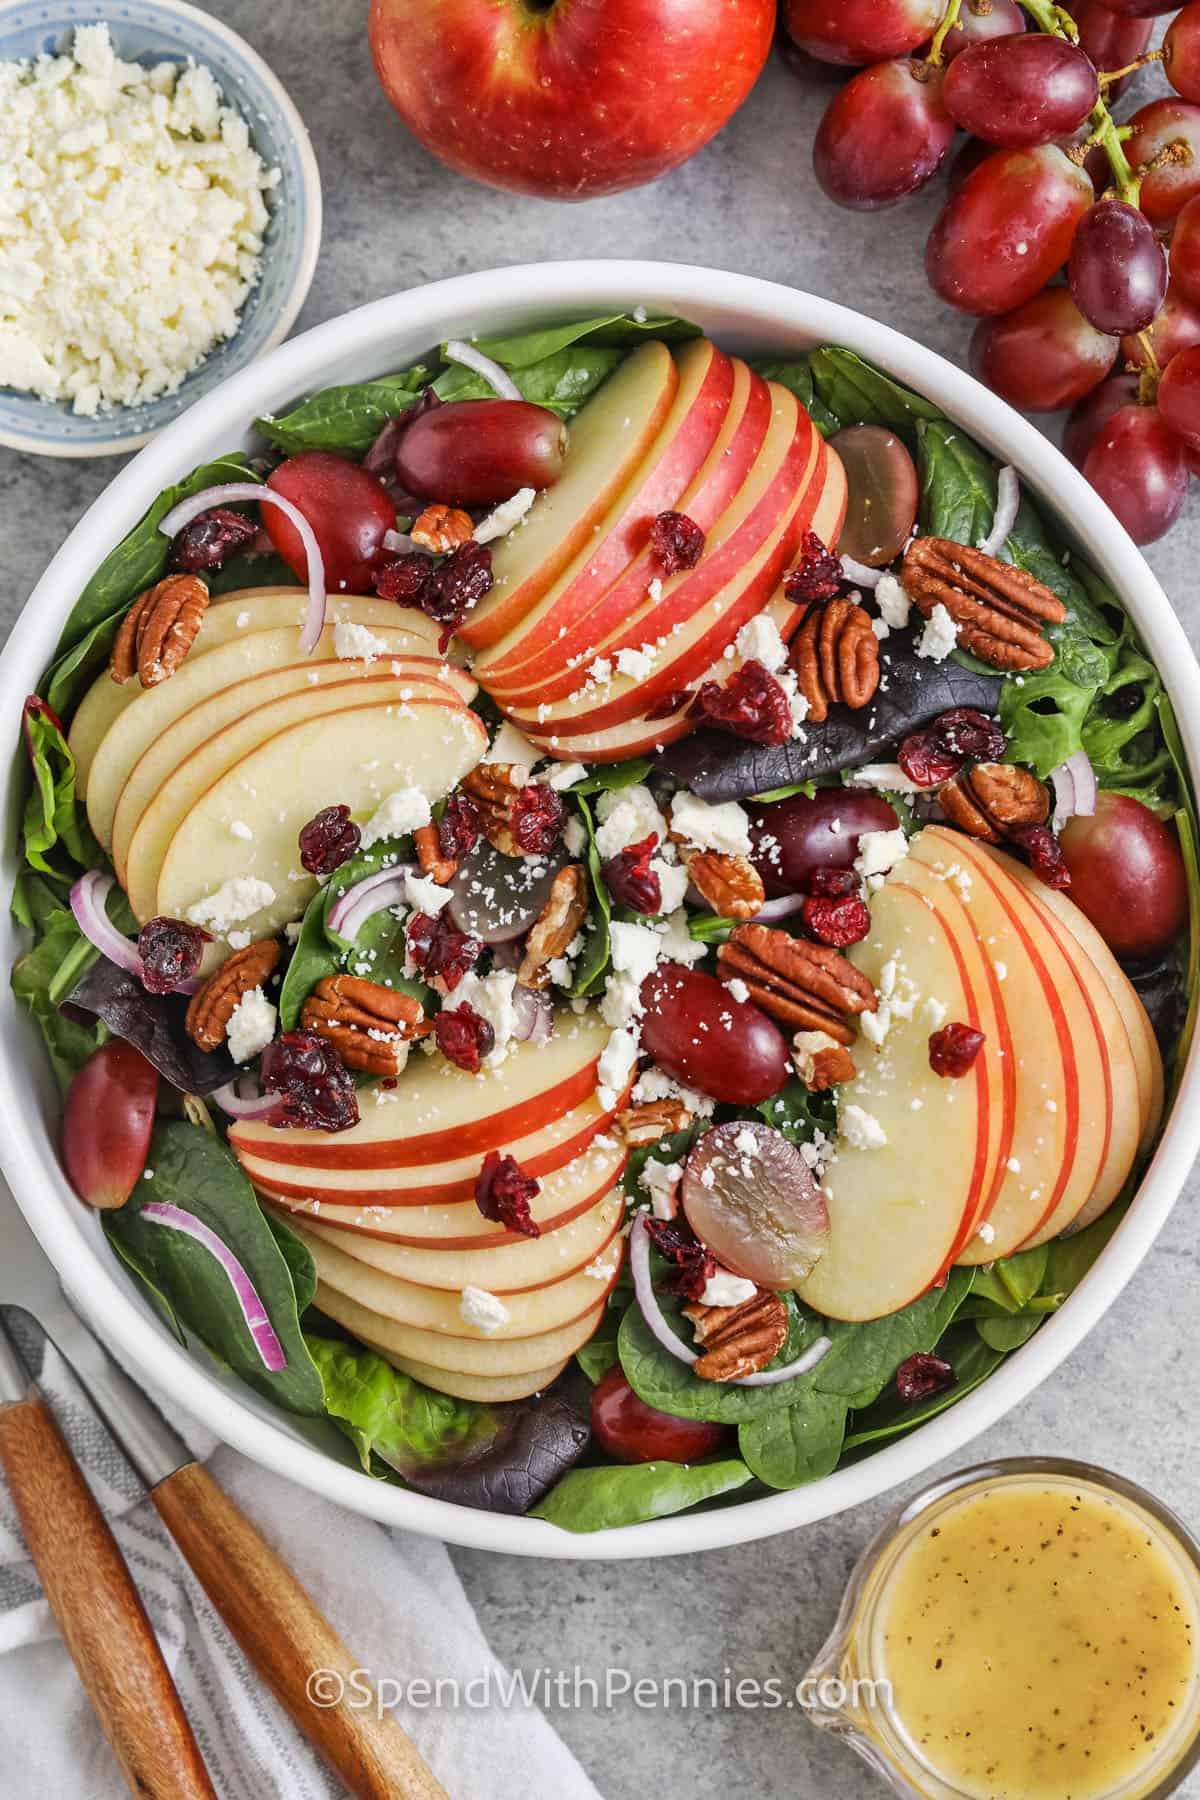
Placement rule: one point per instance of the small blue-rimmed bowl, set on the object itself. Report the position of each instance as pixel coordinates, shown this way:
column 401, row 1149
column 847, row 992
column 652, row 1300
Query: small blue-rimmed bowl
column 158, row 31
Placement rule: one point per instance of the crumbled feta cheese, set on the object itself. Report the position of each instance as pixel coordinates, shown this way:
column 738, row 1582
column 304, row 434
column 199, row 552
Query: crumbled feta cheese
column 425, row 895
column 637, row 664
column 738, row 989
column 933, row 1013
column 889, row 778
column 133, row 207
column 661, row 1181
column 482, row 1311
column 654, row 589
column 672, row 883
column 635, row 949
column 236, row 899
column 492, row 998
column 238, row 828
column 565, row 775
column 724, row 827
column 251, row 1025
column 617, row 1062
column 724, row 1289
column 500, row 521
column 627, row 816
column 893, row 603
column 574, row 836
column 861, row 1129
column 353, row 642
column 621, row 1003
column 512, row 746
column 678, row 944
column 879, row 851
column 759, row 641
column 939, row 636
column 401, row 813
column 987, row 1233
column 655, row 1084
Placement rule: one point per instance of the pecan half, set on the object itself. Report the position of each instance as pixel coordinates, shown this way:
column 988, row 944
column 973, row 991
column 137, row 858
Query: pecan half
column 653, row 1120
column 558, row 923
column 366, row 1023
column 738, row 1340
column 1000, row 610
column 820, row 1061
column 994, row 801
column 441, row 529
column 212, row 1006
column 494, row 788
column 158, row 630
column 808, row 987
column 731, row 885
column 439, row 868
column 835, row 655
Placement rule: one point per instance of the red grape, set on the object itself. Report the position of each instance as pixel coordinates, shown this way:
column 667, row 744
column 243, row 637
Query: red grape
column 1021, row 90
column 1166, row 127
column 1118, row 271
column 107, row 1119
column 1181, row 52
column 973, row 152
column 860, row 31
column 808, row 69
column 348, row 509
column 1141, row 9
column 702, row 1036
column 976, row 25
column 1127, row 875
column 1176, row 328
column 632, row 1432
column 791, row 839
column 479, row 452
column 1138, row 466
column 881, row 505
column 1179, row 396
column 1086, row 419
column 1007, row 229
column 1042, row 355
column 883, row 136
column 752, row 1200
column 1111, row 39
column 1185, row 252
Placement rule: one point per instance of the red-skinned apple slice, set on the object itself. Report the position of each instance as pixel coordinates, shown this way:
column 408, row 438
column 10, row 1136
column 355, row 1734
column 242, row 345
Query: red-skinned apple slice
column 609, row 439
column 438, row 1350
column 454, row 1228
column 492, row 1389
column 697, row 413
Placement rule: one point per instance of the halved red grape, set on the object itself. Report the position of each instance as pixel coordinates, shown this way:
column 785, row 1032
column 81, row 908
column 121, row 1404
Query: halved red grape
column 1093, row 412
column 751, row 1198
column 1112, row 40
column 479, row 452
column 108, row 1117
column 1117, row 271
column 632, row 1432
column 496, row 898
column 1176, row 328
column 695, row 1030
column 1170, row 129
column 1021, row 90
column 883, row 136
column 791, row 839
column 1138, row 465
column 1042, row 355
column 980, row 20
column 348, row 509
column 1181, row 52
column 1179, row 396
column 860, row 31
column 1127, row 875
column 1006, row 229
column 881, row 504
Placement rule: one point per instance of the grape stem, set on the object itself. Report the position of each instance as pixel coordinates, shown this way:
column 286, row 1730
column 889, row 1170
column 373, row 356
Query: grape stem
column 949, row 21
column 1104, row 131
column 1108, row 76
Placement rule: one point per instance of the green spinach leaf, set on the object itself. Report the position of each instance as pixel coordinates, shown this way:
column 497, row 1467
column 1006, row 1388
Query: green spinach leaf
column 1012, row 1281
column 621, row 330
column 346, row 419
column 389, row 1417
column 800, row 1444
column 53, row 817
column 593, row 964
column 858, row 394
column 561, row 382
column 600, row 1499
column 796, row 375
column 972, row 1361
column 37, row 981
column 958, row 483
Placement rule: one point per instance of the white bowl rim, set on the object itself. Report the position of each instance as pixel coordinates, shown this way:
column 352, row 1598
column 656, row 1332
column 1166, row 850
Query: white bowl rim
column 310, row 175
column 563, row 290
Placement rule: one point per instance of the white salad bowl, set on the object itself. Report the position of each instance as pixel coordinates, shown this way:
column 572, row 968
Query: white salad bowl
column 740, row 312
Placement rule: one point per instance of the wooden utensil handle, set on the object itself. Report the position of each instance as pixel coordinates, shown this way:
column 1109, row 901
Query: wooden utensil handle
column 99, row 1610
column 290, row 1642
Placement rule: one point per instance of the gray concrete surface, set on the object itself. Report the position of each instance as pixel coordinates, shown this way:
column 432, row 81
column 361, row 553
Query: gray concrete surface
column 395, row 218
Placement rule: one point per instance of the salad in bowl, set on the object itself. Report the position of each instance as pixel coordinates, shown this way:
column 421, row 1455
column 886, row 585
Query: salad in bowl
column 612, row 917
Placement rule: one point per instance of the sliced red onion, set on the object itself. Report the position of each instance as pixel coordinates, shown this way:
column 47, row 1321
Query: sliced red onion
column 533, row 1015
column 860, row 574
column 1008, row 500
column 252, row 1309
column 780, row 908
column 231, row 1100
column 373, row 894
column 88, row 897
column 258, row 492
column 1075, row 787
column 660, row 1329
column 457, row 351
column 401, row 544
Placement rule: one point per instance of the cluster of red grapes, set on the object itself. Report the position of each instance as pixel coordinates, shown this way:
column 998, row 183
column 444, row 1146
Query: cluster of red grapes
column 1074, row 239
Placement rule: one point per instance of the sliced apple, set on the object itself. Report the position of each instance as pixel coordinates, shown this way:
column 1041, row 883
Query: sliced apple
column 491, row 1357
column 500, row 1269
column 492, row 1389
column 609, row 439
column 897, row 1207
column 459, row 1227
column 234, row 616
column 688, row 432
column 354, row 758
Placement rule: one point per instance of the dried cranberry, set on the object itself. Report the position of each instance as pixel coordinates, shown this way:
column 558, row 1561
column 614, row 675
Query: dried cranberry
column 677, row 542
column 926, row 760
column 459, row 826
column 751, row 705
column 170, row 950
column 953, row 1049
column 457, row 583
column 669, row 704
column 315, row 1086
column 1045, row 855
column 464, row 1037
column 439, row 949
column 503, row 1192
column 630, row 879
column 328, row 840
column 403, row 579
column 818, row 574
column 922, row 1375
column 832, row 884
column 210, row 538
column 967, row 733
column 538, row 818
column 837, row 921
column 693, row 1264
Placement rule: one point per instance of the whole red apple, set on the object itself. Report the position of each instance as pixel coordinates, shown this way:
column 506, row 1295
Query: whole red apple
column 567, row 99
